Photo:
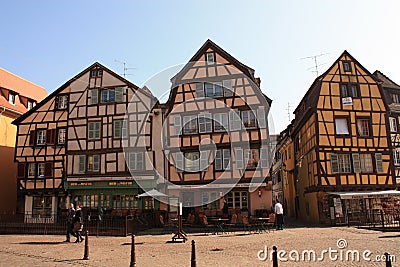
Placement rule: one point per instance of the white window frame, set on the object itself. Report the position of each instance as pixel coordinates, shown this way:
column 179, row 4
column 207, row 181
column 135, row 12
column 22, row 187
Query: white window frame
column 120, row 129
column 393, row 124
column 190, row 125
column 41, row 137
column 95, row 166
column 235, row 122
column 210, row 58
column 105, row 95
column 221, row 122
column 136, row 161
column 342, row 126
column 243, row 199
column 192, row 161
column 31, row 170
column 396, row 156
column 395, row 98
column 94, row 130
column 205, row 123
column 12, row 98
column 41, row 169
column 213, row 89
column 340, row 163
column 251, row 158
column 223, row 159
column 62, row 102
column 31, row 104
column 249, row 119
column 61, row 136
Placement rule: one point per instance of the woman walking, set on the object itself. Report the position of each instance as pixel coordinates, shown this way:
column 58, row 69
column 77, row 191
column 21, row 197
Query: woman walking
column 78, row 224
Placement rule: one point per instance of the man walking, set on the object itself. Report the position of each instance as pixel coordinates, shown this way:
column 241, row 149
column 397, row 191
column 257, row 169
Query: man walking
column 70, row 225
column 279, row 215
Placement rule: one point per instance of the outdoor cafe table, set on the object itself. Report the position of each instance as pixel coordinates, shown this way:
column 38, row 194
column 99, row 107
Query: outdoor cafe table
column 261, row 224
column 219, row 224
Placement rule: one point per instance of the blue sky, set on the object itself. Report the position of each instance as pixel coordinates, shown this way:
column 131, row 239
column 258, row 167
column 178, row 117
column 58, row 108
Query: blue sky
column 49, row 42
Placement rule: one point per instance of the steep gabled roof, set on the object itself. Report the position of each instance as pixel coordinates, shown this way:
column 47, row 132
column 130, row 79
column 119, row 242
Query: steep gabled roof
column 65, row 85
column 386, row 81
column 314, row 90
column 210, row 44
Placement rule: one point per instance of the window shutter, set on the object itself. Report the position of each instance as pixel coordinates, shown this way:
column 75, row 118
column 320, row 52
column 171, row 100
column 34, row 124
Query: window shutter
column 48, row 170
column 218, row 160
column 199, row 90
column 264, row 157
column 234, row 120
column 139, row 161
column 49, row 137
column 226, row 159
column 117, row 129
column 56, row 100
column 94, row 96
column 334, row 163
column 208, row 121
column 119, row 94
column 203, row 160
column 261, row 118
column 177, row 125
column 32, row 138
column 239, row 158
column 21, row 170
column 202, row 123
column 356, row 163
column 227, row 84
column 378, row 162
column 179, row 162
column 82, row 163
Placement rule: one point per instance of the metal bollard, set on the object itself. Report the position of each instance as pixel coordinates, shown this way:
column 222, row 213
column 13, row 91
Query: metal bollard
column 133, row 255
column 193, row 260
column 86, row 253
column 275, row 256
column 387, row 260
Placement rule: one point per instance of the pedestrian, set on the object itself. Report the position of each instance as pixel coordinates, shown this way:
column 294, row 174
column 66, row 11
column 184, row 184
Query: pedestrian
column 78, row 224
column 70, row 225
column 279, row 215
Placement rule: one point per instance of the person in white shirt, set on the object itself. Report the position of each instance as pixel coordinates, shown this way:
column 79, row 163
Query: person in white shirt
column 279, row 215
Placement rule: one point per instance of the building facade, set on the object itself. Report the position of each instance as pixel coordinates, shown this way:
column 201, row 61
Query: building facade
column 17, row 96
column 217, row 139
column 342, row 144
column 85, row 143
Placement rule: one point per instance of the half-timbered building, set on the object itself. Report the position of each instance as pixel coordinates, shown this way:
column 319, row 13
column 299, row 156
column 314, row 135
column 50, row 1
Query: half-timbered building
column 86, row 143
column 216, row 135
column 391, row 92
column 342, row 143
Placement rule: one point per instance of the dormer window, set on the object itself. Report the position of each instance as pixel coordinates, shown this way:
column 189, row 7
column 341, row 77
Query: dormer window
column 210, row 58
column 62, row 102
column 12, row 98
column 31, row 104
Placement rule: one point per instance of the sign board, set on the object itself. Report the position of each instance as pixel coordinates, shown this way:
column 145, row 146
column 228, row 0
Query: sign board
column 347, row 101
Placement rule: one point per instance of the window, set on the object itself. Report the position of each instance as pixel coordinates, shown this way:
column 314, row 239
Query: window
column 214, row 89
column 31, row 170
column 61, row 135
column 94, row 96
column 31, row 104
column 41, row 137
column 366, row 163
column 199, row 90
column 340, row 163
column 62, row 102
column 346, row 66
column 96, row 73
column 222, row 159
column 378, row 162
column 107, row 95
column 40, row 170
column 177, row 125
column 41, row 207
column 12, row 98
column 363, row 127
column 189, row 124
column 210, row 200
column 210, row 58
column 249, row 119
column 393, row 124
column 235, row 123
column 395, row 98
column 237, row 200
column 135, row 161
column 120, row 129
column 349, row 90
column 227, row 85
column 94, row 130
column 192, row 162
column 341, row 126
column 396, row 156
column 221, row 122
column 251, row 158
column 93, row 164
column 82, row 163
column 205, row 123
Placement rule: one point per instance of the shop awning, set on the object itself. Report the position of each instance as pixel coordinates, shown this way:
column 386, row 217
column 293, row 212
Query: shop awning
column 366, row 194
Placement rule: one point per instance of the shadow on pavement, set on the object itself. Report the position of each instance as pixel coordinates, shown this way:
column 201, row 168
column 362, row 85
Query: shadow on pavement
column 389, row 236
column 42, row 243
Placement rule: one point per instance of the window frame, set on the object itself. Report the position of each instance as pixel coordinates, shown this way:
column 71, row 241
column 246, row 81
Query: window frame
column 12, row 98
column 195, row 164
column 31, row 172
column 222, row 155
column 122, row 128
column 347, row 123
column 90, row 168
column 348, row 63
column 93, row 131
column 368, row 119
column 393, row 125
column 96, row 73
column 249, row 114
column 339, row 162
column 190, row 125
column 62, row 102
column 59, row 130
column 107, row 92
column 349, row 90
column 134, row 164
column 210, row 60
column 41, row 137
column 41, row 167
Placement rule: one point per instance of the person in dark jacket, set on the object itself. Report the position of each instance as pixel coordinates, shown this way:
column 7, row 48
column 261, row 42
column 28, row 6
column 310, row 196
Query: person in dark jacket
column 70, row 225
column 78, row 219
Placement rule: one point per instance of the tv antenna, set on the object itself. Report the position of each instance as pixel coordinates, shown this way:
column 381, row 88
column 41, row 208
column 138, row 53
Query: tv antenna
column 125, row 68
column 288, row 110
column 316, row 65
